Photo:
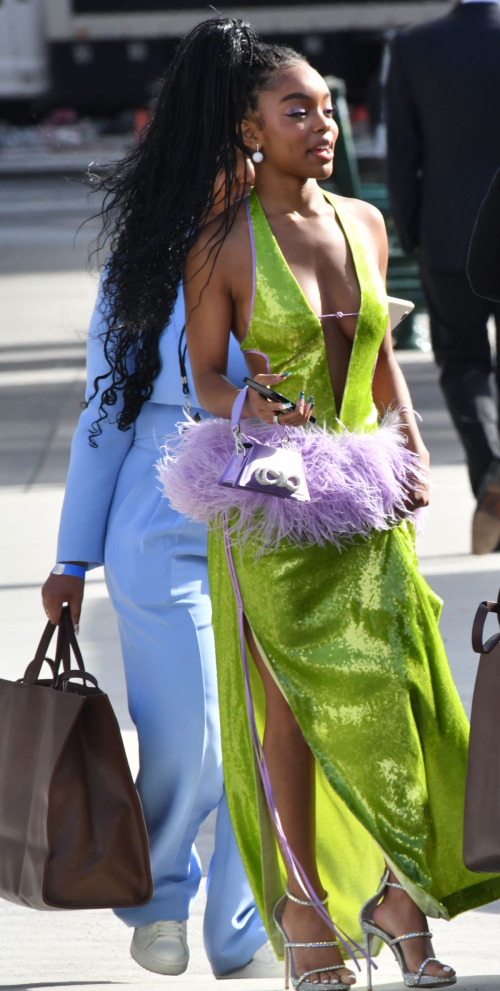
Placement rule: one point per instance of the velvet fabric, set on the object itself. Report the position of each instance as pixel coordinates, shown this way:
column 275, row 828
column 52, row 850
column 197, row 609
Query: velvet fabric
column 351, row 637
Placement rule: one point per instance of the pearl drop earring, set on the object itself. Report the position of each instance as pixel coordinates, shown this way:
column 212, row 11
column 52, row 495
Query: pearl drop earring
column 257, row 156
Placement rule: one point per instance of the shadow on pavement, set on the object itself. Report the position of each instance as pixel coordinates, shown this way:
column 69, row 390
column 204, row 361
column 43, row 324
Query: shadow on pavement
column 482, row 983
column 52, row 984
column 493, row 908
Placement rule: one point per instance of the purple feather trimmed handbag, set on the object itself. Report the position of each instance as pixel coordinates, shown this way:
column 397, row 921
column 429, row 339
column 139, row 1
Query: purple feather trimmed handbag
column 274, row 471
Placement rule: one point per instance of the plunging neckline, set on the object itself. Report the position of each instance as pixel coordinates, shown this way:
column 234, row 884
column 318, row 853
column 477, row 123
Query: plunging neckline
column 305, row 301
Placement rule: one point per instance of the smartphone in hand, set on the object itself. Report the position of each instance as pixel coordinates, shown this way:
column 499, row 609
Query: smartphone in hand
column 274, row 397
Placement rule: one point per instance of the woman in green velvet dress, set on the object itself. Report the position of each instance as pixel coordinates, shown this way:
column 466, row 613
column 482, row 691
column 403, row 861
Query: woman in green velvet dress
column 364, row 736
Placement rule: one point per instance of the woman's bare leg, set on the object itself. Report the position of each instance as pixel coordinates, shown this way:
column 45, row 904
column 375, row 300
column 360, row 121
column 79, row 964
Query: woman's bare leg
column 291, row 768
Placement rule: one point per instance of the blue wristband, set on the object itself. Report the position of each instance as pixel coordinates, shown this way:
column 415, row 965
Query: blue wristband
column 69, row 569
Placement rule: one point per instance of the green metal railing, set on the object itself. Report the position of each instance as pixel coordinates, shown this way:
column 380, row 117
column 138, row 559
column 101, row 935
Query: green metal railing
column 346, row 179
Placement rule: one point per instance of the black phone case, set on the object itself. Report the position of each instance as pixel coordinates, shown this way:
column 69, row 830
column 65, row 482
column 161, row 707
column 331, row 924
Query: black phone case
column 276, row 397
column 269, row 393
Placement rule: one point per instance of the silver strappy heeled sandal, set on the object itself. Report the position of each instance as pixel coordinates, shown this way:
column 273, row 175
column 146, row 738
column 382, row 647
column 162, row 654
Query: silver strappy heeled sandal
column 370, row 930
column 290, row 974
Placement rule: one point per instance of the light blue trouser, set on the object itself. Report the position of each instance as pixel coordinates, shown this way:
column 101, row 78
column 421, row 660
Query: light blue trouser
column 156, row 571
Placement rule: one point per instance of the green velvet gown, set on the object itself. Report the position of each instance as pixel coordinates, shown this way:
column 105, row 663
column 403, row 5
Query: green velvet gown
column 352, row 639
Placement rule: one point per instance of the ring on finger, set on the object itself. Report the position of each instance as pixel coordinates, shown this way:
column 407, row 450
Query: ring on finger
column 276, row 418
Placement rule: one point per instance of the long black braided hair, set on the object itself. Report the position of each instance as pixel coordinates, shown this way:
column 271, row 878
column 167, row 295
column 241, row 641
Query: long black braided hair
column 159, row 196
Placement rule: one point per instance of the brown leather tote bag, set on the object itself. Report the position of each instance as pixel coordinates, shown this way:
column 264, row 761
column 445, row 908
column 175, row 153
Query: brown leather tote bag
column 482, row 794
column 72, row 832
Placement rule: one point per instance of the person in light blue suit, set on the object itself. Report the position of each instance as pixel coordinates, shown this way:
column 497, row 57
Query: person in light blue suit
column 156, row 571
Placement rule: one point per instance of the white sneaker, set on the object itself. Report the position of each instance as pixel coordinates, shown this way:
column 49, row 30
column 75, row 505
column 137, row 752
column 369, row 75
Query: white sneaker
column 161, row 947
column 263, row 964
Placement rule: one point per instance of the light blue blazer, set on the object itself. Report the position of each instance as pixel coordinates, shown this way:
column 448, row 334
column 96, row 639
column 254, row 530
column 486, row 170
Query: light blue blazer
column 93, row 472
column 156, row 573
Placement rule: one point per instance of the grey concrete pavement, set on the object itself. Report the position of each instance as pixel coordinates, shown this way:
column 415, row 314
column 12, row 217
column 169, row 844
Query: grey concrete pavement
column 46, row 299
column 40, row 224
column 62, row 159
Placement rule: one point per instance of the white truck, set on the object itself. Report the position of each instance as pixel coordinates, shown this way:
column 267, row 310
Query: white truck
column 23, row 50
column 102, row 55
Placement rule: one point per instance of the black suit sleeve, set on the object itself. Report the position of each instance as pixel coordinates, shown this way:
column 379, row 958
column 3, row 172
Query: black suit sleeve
column 483, row 266
column 404, row 151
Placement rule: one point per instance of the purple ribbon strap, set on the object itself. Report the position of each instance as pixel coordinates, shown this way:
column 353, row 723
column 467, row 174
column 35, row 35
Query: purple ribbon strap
column 237, row 409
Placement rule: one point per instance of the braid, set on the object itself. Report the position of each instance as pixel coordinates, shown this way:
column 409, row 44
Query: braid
column 157, row 198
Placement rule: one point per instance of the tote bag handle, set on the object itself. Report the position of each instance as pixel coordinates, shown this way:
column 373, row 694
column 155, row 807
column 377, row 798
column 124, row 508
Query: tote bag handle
column 478, row 627
column 66, row 638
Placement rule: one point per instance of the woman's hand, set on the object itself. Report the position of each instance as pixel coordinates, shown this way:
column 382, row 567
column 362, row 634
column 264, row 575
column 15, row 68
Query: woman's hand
column 59, row 589
column 265, row 409
column 419, row 494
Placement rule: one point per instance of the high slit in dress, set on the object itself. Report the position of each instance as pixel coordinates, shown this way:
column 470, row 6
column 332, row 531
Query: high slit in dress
column 351, row 637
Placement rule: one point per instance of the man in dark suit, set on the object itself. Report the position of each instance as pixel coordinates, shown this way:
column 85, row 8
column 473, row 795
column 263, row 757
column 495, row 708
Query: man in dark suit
column 443, row 116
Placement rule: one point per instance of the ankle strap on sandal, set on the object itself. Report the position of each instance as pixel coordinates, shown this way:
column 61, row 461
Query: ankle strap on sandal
column 385, row 883
column 300, row 901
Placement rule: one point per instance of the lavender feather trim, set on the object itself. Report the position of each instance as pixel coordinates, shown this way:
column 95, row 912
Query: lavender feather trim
column 357, row 482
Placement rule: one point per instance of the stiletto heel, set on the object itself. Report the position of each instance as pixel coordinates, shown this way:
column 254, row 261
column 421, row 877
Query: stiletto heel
column 301, row 983
column 370, row 929
column 368, row 940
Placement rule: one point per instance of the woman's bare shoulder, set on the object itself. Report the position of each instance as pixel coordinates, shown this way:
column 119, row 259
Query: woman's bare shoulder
column 372, row 222
column 220, row 242
column 365, row 213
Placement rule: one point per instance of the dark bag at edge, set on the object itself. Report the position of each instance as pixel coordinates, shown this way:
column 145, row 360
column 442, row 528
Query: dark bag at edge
column 482, row 795
column 72, row 831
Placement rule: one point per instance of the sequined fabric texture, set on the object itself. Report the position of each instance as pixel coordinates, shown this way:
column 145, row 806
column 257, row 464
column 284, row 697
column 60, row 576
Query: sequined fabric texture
column 352, row 639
